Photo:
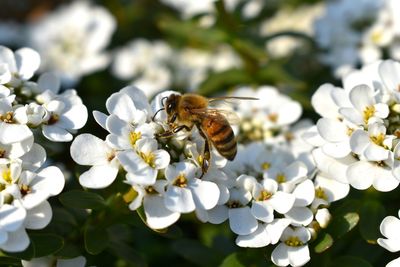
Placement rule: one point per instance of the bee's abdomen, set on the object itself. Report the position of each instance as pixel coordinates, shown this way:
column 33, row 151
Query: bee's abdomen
column 221, row 136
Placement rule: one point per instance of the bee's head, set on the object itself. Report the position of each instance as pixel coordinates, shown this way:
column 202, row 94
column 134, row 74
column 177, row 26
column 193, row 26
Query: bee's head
column 171, row 107
column 169, row 104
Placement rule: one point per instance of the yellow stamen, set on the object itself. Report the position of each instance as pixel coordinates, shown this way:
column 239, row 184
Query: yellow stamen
column 53, row 119
column 378, row 139
column 349, row 131
column 265, row 166
column 368, row 113
column 8, row 117
column 320, row 193
column 264, row 195
column 294, row 241
column 149, row 159
column 180, row 181
column 7, row 176
column 24, row 189
column 280, row 178
column 273, row 117
column 134, row 137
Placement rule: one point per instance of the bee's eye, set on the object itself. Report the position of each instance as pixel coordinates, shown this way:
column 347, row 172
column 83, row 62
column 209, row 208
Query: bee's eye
column 169, row 107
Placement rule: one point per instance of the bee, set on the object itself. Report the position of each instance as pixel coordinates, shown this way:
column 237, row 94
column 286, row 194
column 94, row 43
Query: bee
column 189, row 110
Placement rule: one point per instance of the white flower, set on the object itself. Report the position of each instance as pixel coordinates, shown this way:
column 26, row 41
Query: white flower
column 89, row 150
column 186, row 193
column 268, row 199
column 50, row 261
column 300, row 214
column 143, row 164
column 71, row 40
column 293, row 248
column 374, row 145
column 389, row 228
column 328, row 190
column 264, row 235
column 12, row 219
column 158, row 216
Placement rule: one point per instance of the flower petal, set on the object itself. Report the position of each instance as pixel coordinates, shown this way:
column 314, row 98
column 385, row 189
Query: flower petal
column 280, row 256
column 99, row 176
column 157, row 215
column 257, row 239
column 179, row 199
column 28, row 61
column 205, row 193
column 39, row 217
column 88, row 149
column 298, row 256
column 241, row 221
column 17, row 241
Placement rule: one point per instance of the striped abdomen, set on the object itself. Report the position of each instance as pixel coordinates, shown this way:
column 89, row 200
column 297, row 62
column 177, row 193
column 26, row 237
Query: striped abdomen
column 221, row 135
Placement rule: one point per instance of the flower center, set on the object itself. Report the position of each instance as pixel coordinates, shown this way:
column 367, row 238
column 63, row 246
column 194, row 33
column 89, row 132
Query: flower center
column 378, row 139
column 280, row 178
column 293, row 241
column 8, row 117
column 368, row 113
column 265, row 166
column 264, row 195
column 349, row 131
column 110, row 156
column 2, row 153
column 273, row 117
column 234, row 204
column 320, row 193
column 134, row 137
column 149, row 158
column 180, row 181
column 53, row 119
column 150, row 190
column 7, row 176
column 24, row 189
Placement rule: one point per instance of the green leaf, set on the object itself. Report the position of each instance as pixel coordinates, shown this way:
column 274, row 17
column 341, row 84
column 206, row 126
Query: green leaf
column 342, row 224
column 372, row 213
column 325, row 242
column 7, row 261
column 68, row 251
column 221, row 81
column 96, row 239
column 124, row 251
column 349, row 261
column 82, row 200
column 232, row 261
column 46, row 244
column 251, row 257
column 196, row 253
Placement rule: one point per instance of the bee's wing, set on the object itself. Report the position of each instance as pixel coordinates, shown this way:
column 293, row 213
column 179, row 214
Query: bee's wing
column 215, row 113
column 230, row 98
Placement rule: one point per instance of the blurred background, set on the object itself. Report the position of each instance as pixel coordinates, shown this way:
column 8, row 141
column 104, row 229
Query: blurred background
column 202, row 46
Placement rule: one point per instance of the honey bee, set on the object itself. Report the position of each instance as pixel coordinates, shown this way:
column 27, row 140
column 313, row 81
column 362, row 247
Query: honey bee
column 189, row 110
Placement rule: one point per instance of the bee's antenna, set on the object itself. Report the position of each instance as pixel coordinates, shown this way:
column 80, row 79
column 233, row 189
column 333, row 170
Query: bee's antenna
column 155, row 114
column 162, row 101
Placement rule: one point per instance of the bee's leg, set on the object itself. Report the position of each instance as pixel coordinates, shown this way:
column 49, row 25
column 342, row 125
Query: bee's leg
column 205, row 165
column 173, row 131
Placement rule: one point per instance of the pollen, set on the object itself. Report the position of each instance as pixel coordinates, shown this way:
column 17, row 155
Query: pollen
column 264, row 195
column 234, row 204
column 293, row 241
column 280, row 178
column 320, row 193
column 54, row 118
column 378, row 139
column 24, row 189
column 8, row 117
column 7, row 176
column 134, row 137
column 149, row 158
column 376, row 36
column 273, row 117
column 180, row 181
column 368, row 113
column 200, row 159
column 349, row 131
column 151, row 190
column 265, row 166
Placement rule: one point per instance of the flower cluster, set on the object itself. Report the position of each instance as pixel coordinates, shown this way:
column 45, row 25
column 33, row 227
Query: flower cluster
column 71, row 39
column 155, row 66
column 25, row 108
column 269, row 194
column 351, row 32
column 357, row 136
